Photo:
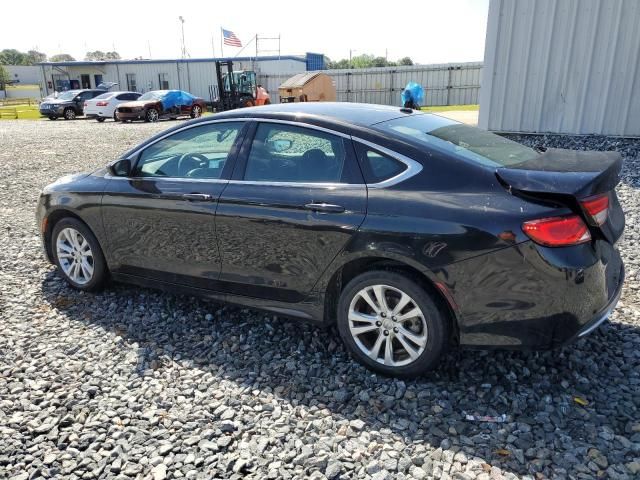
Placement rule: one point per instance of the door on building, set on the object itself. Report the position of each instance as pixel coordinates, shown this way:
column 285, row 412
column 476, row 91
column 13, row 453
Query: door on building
column 98, row 79
column 85, row 81
column 163, row 81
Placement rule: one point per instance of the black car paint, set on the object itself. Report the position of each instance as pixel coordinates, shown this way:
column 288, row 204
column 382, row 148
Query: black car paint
column 56, row 107
column 455, row 225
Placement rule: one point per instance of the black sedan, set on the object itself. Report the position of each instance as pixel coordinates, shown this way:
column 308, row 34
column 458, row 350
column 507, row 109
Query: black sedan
column 410, row 231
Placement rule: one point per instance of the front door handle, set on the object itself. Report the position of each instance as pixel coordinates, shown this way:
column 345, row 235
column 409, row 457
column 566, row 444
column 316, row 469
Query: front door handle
column 324, row 207
column 196, row 197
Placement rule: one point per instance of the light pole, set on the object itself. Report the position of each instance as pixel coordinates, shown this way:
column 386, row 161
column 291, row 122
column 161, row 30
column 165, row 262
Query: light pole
column 350, row 55
column 184, row 49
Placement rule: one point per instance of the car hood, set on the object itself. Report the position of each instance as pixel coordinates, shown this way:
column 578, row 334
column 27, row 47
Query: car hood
column 56, row 102
column 137, row 103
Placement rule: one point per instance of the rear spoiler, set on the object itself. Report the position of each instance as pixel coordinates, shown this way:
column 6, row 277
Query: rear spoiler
column 564, row 172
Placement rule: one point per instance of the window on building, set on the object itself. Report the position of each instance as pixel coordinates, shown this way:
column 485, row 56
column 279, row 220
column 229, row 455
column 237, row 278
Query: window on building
column 131, row 82
column 163, row 81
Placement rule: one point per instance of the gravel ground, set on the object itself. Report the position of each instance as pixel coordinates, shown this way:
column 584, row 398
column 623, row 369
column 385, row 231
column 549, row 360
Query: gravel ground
column 133, row 383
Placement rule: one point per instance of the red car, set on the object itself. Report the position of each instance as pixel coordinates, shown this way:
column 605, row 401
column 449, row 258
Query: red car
column 157, row 104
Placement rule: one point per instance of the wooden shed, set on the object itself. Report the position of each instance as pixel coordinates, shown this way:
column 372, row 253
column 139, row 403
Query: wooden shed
column 308, row 87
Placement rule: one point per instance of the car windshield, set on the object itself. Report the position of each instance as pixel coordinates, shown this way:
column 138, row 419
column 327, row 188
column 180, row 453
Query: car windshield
column 472, row 143
column 68, row 95
column 156, row 95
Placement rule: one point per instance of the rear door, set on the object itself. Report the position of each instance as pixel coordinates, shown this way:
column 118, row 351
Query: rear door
column 161, row 219
column 296, row 198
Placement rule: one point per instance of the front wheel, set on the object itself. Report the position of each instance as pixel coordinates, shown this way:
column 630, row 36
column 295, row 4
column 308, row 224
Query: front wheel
column 78, row 255
column 152, row 115
column 196, row 111
column 391, row 325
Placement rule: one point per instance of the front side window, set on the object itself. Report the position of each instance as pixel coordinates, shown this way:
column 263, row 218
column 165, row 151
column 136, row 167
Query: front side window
column 474, row 144
column 286, row 153
column 198, row 152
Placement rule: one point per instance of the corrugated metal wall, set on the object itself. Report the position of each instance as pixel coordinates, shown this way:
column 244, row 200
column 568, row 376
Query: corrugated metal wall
column 562, row 66
column 445, row 84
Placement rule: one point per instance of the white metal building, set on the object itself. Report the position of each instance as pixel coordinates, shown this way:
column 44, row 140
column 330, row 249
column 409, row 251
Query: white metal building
column 24, row 74
column 194, row 75
column 562, row 66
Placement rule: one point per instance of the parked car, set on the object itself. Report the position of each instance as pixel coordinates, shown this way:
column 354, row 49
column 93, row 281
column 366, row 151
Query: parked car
column 410, row 231
column 157, row 104
column 68, row 105
column 104, row 106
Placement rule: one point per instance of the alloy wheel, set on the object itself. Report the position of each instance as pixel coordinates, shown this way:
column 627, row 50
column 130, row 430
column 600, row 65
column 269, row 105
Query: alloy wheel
column 75, row 256
column 69, row 114
column 197, row 111
column 387, row 325
column 152, row 115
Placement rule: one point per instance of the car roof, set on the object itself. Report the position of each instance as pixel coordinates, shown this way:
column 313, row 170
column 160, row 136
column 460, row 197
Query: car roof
column 362, row 114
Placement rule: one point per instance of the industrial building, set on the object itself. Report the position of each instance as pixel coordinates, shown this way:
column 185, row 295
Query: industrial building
column 562, row 66
column 195, row 75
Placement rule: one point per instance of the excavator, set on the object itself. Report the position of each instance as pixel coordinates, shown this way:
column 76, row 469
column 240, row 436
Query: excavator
column 237, row 89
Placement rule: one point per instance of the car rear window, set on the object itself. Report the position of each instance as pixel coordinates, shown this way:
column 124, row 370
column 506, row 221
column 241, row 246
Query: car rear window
column 472, row 143
column 104, row 96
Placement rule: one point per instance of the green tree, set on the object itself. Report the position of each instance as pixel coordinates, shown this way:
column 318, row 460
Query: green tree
column 4, row 77
column 36, row 57
column 99, row 55
column 112, row 56
column 62, row 57
column 11, row 56
column 405, row 61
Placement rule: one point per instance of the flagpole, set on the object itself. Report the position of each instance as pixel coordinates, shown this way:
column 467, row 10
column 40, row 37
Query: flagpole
column 221, row 44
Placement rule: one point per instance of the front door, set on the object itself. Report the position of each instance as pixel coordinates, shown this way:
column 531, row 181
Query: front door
column 85, row 80
column 162, row 218
column 298, row 200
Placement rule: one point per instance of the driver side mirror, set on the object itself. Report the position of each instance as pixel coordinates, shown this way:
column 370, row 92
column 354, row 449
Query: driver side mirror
column 122, row 168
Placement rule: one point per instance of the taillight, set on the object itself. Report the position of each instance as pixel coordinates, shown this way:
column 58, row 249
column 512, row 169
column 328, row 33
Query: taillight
column 597, row 207
column 557, row 231
column 102, row 104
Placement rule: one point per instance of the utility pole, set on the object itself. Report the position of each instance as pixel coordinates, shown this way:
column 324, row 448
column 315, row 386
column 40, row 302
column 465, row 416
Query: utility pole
column 149, row 47
column 184, row 48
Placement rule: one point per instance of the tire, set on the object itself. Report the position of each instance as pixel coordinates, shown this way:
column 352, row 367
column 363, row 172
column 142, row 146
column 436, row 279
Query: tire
column 248, row 103
column 62, row 242
column 267, row 102
column 151, row 115
column 196, row 111
column 52, row 117
column 100, row 119
column 69, row 113
column 115, row 116
column 426, row 334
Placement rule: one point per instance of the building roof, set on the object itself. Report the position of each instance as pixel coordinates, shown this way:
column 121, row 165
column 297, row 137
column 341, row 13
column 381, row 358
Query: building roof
column 298, row 58
column 299, row 80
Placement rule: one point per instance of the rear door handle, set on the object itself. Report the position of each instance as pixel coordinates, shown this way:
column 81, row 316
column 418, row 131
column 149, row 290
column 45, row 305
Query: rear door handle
column 196, row 197
column 324, row 207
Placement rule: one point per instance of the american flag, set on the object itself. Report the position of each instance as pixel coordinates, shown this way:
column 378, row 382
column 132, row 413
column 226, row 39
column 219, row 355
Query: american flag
column 230, row 38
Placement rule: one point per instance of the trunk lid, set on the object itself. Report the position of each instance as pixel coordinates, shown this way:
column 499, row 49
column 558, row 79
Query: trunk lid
column 567, row 177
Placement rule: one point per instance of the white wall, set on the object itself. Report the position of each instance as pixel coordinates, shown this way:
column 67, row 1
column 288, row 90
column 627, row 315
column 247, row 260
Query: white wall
column 25, row 74
column 562, row 66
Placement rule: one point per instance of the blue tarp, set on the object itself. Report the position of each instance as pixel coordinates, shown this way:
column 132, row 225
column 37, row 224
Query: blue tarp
column 175, row 98
column 413, row 91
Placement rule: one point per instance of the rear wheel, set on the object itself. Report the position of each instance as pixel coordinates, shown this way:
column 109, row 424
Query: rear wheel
column 196, row 111
column 78, row 255
column 69, row 113
column 100, row 119
column 152, row 115
column 53, row 117
column 115, row 116
column 248, row 103
column 391, row 325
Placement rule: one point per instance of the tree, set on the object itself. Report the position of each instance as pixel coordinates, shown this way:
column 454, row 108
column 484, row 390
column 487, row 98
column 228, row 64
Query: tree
column 4, row 77
column 405, row 61
column 99, row 55
column 11, row 56
column 36, row 57
column 366, row 61
column 62, row 57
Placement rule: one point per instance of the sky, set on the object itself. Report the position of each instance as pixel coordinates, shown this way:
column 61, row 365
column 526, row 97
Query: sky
column 428, row 31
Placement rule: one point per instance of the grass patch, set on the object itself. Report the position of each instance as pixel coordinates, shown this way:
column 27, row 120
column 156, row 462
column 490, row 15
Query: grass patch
column 25, row 112
column 448, row 108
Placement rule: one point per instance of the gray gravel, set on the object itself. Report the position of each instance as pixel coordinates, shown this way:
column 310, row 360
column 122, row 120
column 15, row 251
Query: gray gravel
column 133, row 383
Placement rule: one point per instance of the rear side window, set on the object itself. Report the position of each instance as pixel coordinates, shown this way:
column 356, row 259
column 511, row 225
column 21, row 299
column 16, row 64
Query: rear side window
column 378, row 167
column 286, row 153
column 472, row 143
